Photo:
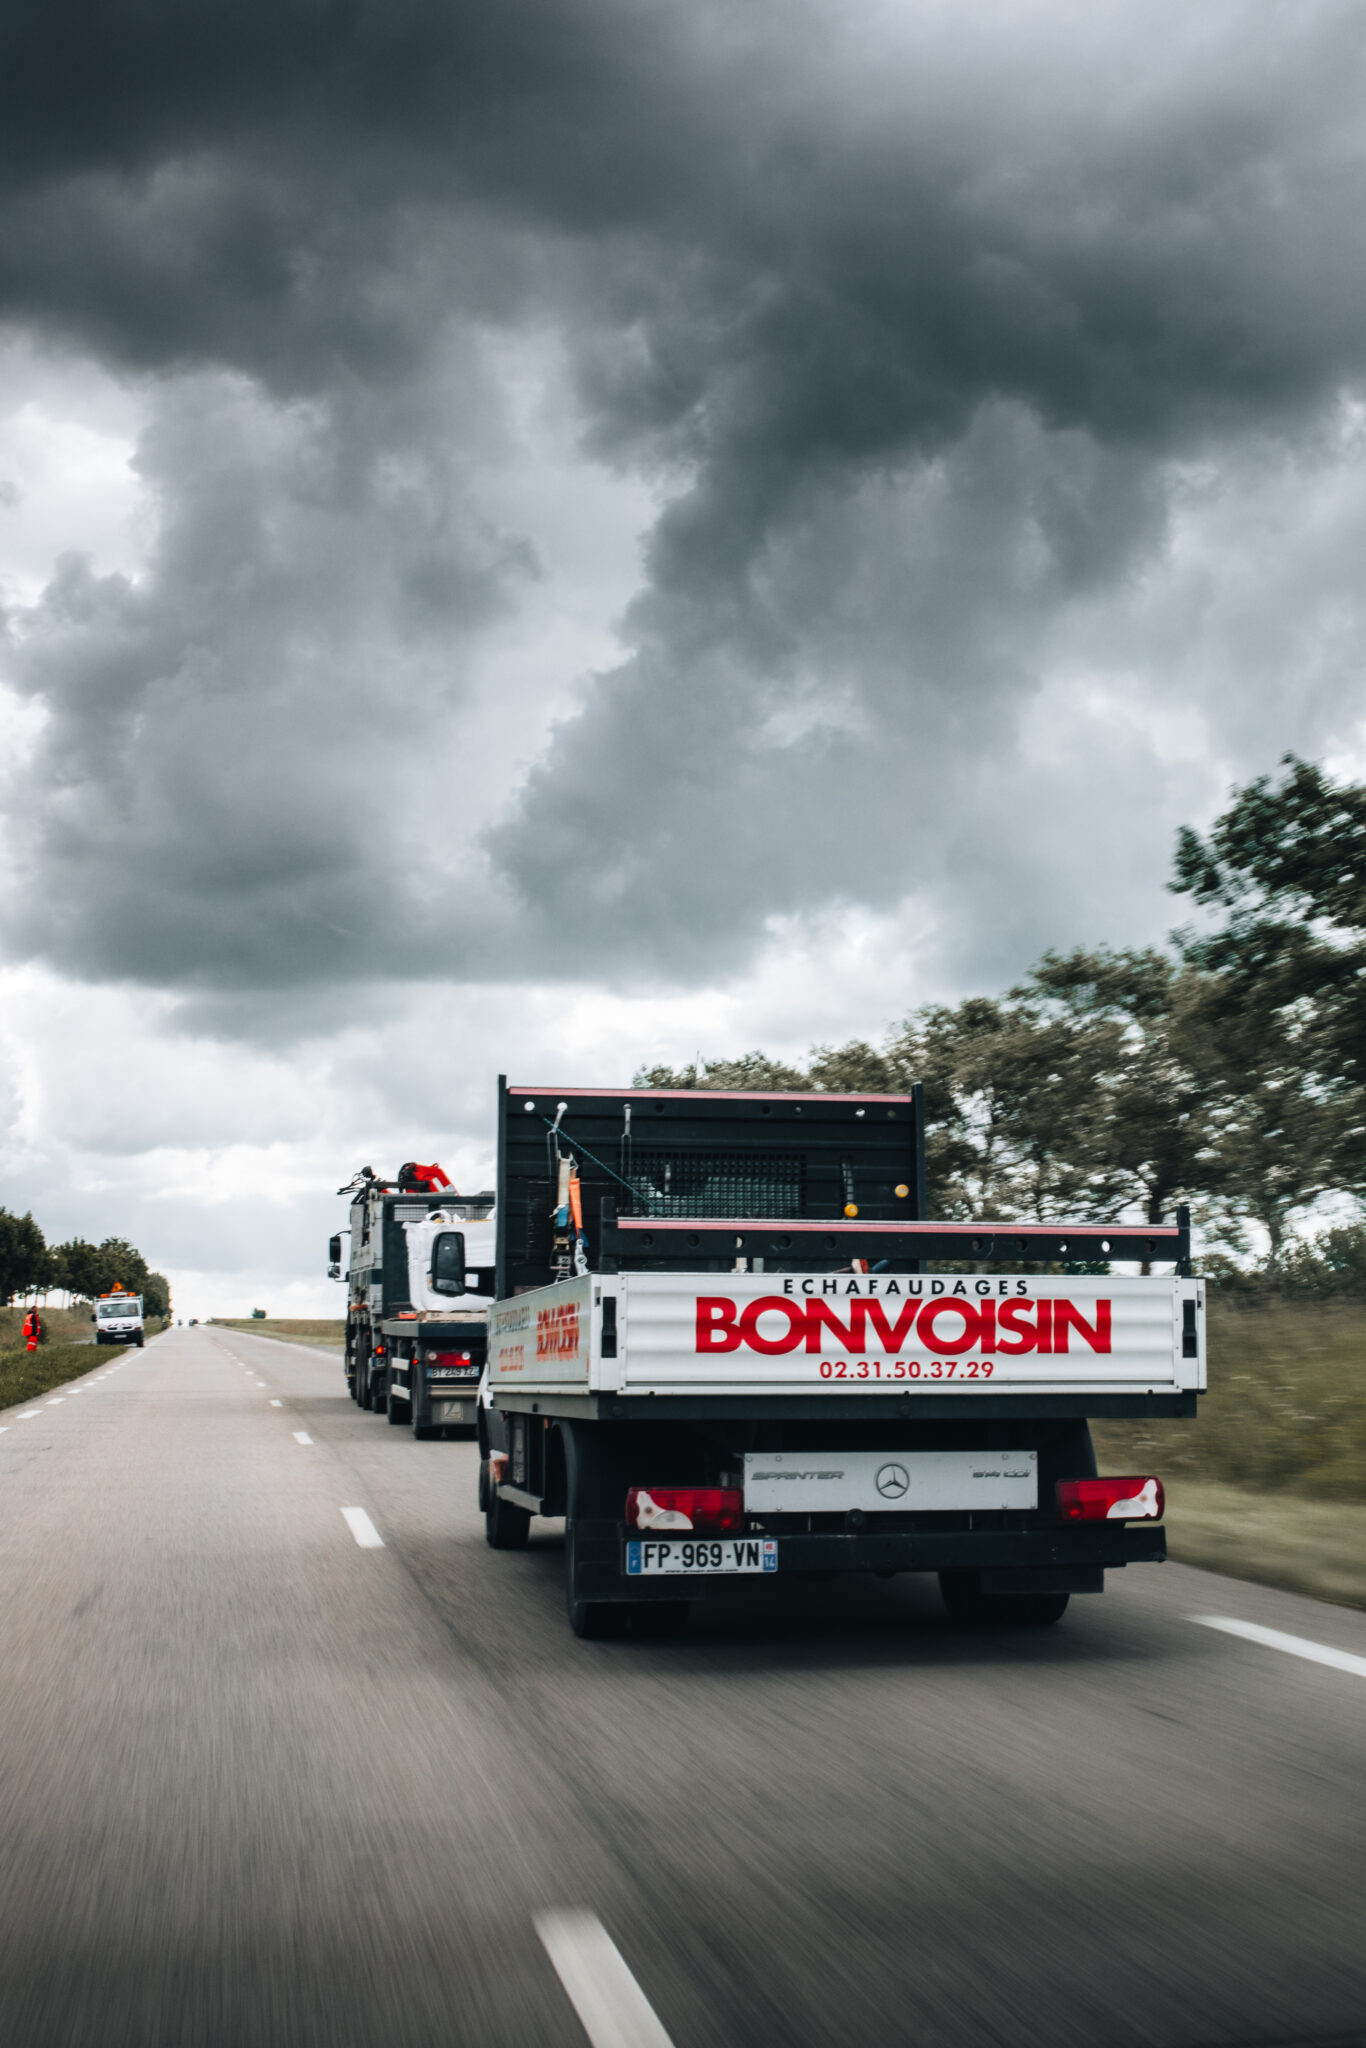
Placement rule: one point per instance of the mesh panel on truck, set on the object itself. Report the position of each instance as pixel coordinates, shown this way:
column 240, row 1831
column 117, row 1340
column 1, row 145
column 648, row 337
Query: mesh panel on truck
column 718, row 1184
column 681, row 1154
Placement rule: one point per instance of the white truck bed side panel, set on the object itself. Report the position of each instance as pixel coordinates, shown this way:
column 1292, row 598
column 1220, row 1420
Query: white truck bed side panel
column 544, row 1339
column 767, row 1333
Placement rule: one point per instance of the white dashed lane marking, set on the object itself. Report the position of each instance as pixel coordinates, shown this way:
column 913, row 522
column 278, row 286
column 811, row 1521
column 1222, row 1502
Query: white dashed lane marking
column 301, row 1436
column 613, row 2010
column 1294, row 1646
column 363, row 1529
column 277, row 1404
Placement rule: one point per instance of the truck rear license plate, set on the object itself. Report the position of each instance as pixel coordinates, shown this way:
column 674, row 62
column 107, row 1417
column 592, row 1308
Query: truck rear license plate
column 721, row 1554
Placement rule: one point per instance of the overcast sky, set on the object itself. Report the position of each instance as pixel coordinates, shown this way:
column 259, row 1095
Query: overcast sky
column 558, row 534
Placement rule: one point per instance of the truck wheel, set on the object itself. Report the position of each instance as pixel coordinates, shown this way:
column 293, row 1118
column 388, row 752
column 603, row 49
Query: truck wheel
column 483, row 1486
column 661, row 1620
column 599, row 1621
column 139, row 1343
column 397, row 1409
column 506, row 1527
column 967, row 1603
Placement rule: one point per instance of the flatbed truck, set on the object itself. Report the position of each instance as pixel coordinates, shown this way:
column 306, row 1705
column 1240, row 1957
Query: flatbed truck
column 419, row 1275
column 753, row 1369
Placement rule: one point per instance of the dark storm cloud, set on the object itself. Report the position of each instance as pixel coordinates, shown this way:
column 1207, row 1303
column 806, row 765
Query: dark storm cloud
column 910, row 314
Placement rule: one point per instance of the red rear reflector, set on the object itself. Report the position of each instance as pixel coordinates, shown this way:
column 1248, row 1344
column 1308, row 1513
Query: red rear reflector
column 1111, row 1500
column 706, row 1510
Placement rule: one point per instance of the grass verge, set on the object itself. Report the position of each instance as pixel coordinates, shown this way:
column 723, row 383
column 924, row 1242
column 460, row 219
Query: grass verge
column 327, row 1333
column 1275, row 1539
column 26, row 1374
column 63, row 1325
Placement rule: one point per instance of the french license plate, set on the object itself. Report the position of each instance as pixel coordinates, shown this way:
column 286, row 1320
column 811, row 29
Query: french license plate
column 702, row 1554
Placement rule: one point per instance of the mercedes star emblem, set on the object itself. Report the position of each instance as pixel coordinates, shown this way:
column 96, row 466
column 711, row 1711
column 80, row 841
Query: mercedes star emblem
column 892, row 1481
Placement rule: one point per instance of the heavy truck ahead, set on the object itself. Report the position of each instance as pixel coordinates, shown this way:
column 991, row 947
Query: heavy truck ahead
column 419, row 1280
column 724, row 1356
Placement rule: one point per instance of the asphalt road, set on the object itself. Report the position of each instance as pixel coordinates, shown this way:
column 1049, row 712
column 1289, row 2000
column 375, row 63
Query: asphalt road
column 263, row 1785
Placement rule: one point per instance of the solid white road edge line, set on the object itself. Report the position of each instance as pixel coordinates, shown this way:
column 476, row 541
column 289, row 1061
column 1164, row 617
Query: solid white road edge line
column 613, row 2010
column 363, row 1529
column 301, row 1436
column 1294, row 1646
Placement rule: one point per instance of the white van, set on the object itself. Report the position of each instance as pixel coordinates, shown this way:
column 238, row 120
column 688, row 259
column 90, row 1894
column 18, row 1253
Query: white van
column 118, row 1319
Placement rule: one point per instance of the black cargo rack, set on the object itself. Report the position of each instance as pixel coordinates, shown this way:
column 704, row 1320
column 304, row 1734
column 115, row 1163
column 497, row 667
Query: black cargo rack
column 677, row 1156
column 667, row 1241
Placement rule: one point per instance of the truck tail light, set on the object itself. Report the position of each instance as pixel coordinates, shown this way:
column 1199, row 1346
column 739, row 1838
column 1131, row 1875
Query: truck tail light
column 706, row 1510
column 1111, row 1500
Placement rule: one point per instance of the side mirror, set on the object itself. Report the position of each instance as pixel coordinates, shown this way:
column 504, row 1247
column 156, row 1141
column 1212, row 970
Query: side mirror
column 448, row 1262
column 334, row 1250
column 334, row 1272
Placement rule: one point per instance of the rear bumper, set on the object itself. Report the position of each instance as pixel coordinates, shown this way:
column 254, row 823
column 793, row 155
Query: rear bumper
column 1068, row 1559
column 453, row 1409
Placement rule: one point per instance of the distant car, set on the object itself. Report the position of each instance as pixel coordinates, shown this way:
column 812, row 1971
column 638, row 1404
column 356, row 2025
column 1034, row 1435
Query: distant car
column 194, row 1322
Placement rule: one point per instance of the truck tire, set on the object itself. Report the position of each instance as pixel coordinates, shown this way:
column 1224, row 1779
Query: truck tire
column 506, row 1527
column 483, row 1486
column 138, row 1341
column 397, row 1409
column 660, row 1620
column 594, row 1621
column 967, row 1603
column 590, row 1492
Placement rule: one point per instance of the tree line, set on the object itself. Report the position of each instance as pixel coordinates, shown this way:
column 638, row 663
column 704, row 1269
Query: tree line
column 30, row 1266
column 1227, row 1070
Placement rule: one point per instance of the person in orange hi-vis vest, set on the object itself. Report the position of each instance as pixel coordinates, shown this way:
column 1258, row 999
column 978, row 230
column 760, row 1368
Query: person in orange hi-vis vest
column 33, row 1329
